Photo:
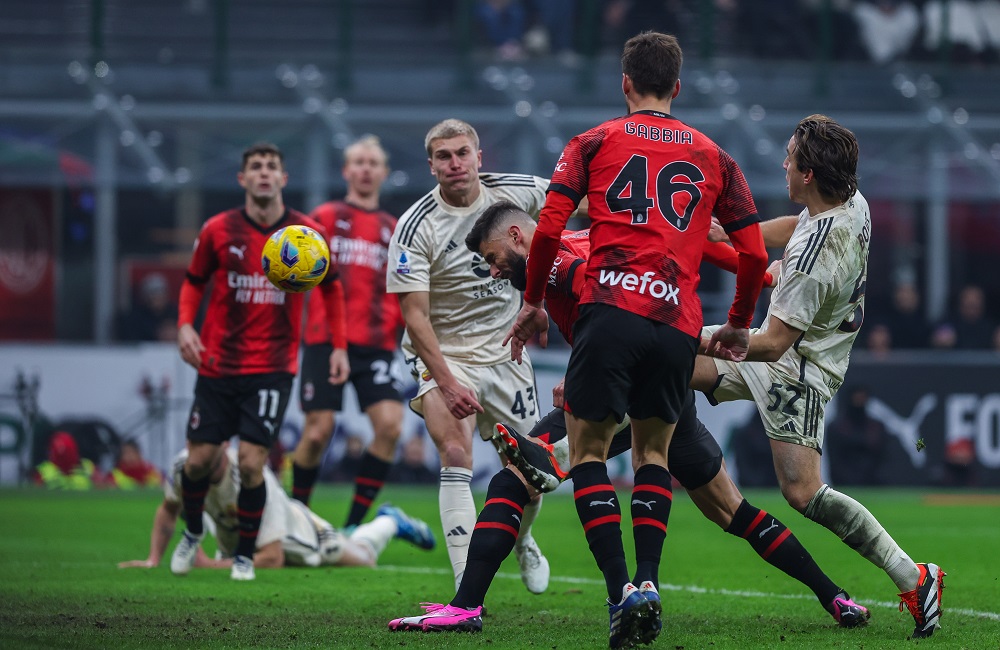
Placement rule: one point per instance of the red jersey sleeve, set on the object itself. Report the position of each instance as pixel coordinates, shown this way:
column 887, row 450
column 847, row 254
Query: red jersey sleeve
column 203, row 259
column 545, row 244
column 735, row 208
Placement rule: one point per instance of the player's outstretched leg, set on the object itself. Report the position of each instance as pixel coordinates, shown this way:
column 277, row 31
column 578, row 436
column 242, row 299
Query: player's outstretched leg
column 536, row 460
column 411, row 529
column 441, row 618
column 777, row 546
column 924, row 602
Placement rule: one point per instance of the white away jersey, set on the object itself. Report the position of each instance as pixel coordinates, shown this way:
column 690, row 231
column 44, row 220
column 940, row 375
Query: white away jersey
column 281, row 521
column 821, row 290
column 470, row 311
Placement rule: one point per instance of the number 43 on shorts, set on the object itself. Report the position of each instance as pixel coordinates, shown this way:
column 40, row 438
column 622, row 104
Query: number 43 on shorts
column 522, row 400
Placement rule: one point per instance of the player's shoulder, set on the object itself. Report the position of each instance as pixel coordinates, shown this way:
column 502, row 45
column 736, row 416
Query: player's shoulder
column 415, row 218
column 223, row 219
column 496, row 180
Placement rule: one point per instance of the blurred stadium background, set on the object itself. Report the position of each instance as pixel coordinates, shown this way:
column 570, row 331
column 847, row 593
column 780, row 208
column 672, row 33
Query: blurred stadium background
column 122, row 121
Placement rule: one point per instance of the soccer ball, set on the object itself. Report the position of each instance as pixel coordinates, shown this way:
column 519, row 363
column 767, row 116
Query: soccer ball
column 295, row 258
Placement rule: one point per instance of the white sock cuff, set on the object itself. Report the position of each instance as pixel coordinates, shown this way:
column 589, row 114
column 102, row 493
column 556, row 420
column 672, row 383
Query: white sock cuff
column 456, row 475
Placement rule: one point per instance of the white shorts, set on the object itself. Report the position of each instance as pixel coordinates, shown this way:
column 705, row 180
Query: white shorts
column 311, row 540
column 506, row 392
column 791, row 411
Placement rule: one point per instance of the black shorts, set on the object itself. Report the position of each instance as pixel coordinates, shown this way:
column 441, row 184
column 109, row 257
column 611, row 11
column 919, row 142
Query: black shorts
column 694, row 456
column 625, row 363
column 249, row 406
column 373, row 374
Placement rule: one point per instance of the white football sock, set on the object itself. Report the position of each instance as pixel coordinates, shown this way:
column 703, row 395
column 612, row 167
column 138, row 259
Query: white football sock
column 859, row 529
column 376, row 533
column 458, row 516
column 528, row 518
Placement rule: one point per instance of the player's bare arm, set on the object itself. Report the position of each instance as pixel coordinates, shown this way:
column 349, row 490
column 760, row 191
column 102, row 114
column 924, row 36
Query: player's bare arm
column 770, row 344
column 531, row 320
column 270, row 556
column 164, row 522
column 340, row 368
column 416, row 306
column 776, row 232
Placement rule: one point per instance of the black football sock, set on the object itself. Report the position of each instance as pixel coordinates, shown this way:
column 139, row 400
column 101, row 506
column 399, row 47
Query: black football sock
column 600, row 513
column 193, row 497
column 249, row 510
column 369, row 481
column 493, row 538
column 303, row 481
column 777, row 545
column 651, row 499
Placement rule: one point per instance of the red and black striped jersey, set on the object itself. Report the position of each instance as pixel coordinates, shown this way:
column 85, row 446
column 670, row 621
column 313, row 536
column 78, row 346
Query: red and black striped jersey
column 653, row 184
column 566, row 278
column 359, row 246
column 250, row 325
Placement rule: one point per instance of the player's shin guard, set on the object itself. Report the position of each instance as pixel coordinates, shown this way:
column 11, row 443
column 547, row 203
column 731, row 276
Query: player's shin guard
column 303, row 481
column 367, row 484
column 601, row 516
column 651, row 499
column 193, row 496
column 494, row 537
column 249, row 510
column 776, row 544
column 859, row 529
column 458, row 515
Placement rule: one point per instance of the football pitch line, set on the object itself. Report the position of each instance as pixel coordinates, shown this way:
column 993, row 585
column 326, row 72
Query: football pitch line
column 694, row 589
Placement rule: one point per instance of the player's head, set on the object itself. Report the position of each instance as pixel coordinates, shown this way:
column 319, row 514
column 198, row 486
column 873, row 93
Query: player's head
column 454, row 157
column 365, row 166
column 263, row 173
column 651, row 65
column 502, row 235
column 824, row 154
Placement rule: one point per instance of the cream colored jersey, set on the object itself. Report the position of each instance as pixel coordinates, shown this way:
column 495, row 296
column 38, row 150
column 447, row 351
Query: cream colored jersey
column 278, row 522
column 470, row 311
column 821, row 291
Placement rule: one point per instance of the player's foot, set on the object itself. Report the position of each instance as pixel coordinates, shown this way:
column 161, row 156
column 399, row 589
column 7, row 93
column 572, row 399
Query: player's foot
column 848, row 613
column 242, row 568
column 182, row 561
column 628, row 618
column 441, row 618
column 534, row 566
column 924, row 602
column 409, row 528
column 536, row 460
column 651, row 627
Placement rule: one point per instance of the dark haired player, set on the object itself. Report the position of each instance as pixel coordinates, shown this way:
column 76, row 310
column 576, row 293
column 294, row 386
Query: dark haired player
column 653, row 184
column 247, row 352
column 359, row 244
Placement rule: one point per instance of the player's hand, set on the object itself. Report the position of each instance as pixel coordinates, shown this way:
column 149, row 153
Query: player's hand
column 729, row 343
column 189, row 343
column 530, row 320
column 148, row 563
column 559, row 394
column 774, row 268
column 340, row 367
column 716, row 232
column 461, row 401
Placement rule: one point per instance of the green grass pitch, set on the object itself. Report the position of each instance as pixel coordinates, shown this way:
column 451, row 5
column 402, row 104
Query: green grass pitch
column 60, row 588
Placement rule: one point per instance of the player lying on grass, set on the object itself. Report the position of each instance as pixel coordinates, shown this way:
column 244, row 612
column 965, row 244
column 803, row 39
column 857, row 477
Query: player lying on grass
column 503, row 237
column 290, row 533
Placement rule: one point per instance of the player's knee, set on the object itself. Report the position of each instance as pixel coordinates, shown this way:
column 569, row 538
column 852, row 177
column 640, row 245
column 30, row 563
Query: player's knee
column 797, row 495
column 455, row 455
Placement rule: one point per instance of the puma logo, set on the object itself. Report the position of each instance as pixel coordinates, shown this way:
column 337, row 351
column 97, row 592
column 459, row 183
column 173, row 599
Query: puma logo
column 517, row 519
column 269, row 426
column 238, row 252
column 609, row 502
column 768, row 529
column 906, row 429
column 648, row 504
